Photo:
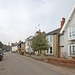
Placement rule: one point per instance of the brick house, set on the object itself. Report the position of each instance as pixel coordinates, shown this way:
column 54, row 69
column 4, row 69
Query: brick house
column 23, row 46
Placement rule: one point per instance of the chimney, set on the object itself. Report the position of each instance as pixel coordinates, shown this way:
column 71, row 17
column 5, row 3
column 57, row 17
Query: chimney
column 62, row 22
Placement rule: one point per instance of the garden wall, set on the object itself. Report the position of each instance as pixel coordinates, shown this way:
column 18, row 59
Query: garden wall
column 60, row 61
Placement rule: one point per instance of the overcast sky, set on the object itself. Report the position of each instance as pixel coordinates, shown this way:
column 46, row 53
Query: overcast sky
column 20, row 18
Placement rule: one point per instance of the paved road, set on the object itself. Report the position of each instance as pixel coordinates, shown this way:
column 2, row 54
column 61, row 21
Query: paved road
column 14, row 64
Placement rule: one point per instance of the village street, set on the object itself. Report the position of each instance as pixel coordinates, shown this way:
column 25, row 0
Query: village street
column 14, row 64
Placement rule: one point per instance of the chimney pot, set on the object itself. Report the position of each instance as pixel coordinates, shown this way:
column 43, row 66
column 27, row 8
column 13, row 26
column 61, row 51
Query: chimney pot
column 62, row 22
column 63, row 19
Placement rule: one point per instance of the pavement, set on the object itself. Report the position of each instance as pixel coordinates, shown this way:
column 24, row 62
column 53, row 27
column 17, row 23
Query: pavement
column 14, row 64
column 37, row 57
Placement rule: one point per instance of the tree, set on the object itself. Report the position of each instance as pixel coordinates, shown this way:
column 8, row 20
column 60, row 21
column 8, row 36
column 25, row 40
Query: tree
column 1, row 45
column 39, row 43
column 4, row 47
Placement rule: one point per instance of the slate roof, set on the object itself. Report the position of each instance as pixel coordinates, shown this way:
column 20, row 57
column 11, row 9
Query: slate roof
column 52, row 32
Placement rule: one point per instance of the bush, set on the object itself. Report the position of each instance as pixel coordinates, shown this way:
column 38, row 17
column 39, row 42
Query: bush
column 21, row 52
column 38, row 54
column 27, row 53
column 16, row 51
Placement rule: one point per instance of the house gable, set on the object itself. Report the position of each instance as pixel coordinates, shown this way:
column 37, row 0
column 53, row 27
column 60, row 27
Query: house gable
column 67, row 20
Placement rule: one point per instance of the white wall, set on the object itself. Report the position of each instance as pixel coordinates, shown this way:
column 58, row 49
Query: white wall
column 14, row 48
column 64, row 40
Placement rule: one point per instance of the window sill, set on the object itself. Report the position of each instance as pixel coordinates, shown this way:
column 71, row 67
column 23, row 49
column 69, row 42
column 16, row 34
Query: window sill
column 72, row 38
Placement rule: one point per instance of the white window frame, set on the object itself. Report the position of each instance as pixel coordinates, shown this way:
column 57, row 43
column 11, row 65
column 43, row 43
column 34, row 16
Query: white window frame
column 71, row 50
column 47, row 38
column 73, row 31
column 49, row 51
column 52, row 51
column 71, row 27
column 51, row 43
column 51, row 38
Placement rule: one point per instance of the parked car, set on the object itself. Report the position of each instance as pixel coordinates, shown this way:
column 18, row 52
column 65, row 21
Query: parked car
column 4, row 50
column 1, row 55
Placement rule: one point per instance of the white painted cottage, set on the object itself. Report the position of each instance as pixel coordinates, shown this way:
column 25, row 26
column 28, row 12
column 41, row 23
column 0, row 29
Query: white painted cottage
column 28, row 44
column 14, row 49
column 67, row 36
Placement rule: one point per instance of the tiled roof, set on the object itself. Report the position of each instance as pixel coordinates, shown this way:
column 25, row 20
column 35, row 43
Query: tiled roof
column 52, row 32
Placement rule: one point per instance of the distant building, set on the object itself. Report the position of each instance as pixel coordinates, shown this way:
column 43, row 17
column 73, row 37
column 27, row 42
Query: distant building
column 23, row 46
column 14, row 47
column 28, row 44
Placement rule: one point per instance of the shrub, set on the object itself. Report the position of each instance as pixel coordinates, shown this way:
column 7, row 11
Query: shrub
column 21, row 52
column 38, row 54
column 27, row 53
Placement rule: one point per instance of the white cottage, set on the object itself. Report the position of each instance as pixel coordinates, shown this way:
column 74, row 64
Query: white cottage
column 14, row 49
column 28, row 44
column 67, row 36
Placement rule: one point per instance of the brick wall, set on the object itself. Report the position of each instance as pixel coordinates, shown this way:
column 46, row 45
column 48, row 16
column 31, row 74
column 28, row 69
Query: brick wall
column 60, row 61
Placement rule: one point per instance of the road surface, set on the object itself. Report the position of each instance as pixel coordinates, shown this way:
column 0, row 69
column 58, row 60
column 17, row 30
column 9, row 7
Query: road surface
column 14, row 64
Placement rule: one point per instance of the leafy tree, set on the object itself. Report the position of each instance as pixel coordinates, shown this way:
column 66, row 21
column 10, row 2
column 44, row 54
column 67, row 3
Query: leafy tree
column 4, row 47
column 1, row 45
column 39, row 43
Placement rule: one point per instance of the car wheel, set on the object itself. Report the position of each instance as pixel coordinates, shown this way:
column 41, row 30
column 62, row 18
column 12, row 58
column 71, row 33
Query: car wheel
column 0, row 59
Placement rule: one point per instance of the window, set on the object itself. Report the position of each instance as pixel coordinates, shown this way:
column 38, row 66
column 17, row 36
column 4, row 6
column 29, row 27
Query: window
column 50, row 50
column 70, row 50
column 73, row 50
column 72, row 31
column 50, row 38
column 47, row 39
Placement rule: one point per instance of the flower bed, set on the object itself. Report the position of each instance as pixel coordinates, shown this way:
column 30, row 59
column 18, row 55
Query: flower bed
column 65, row 62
